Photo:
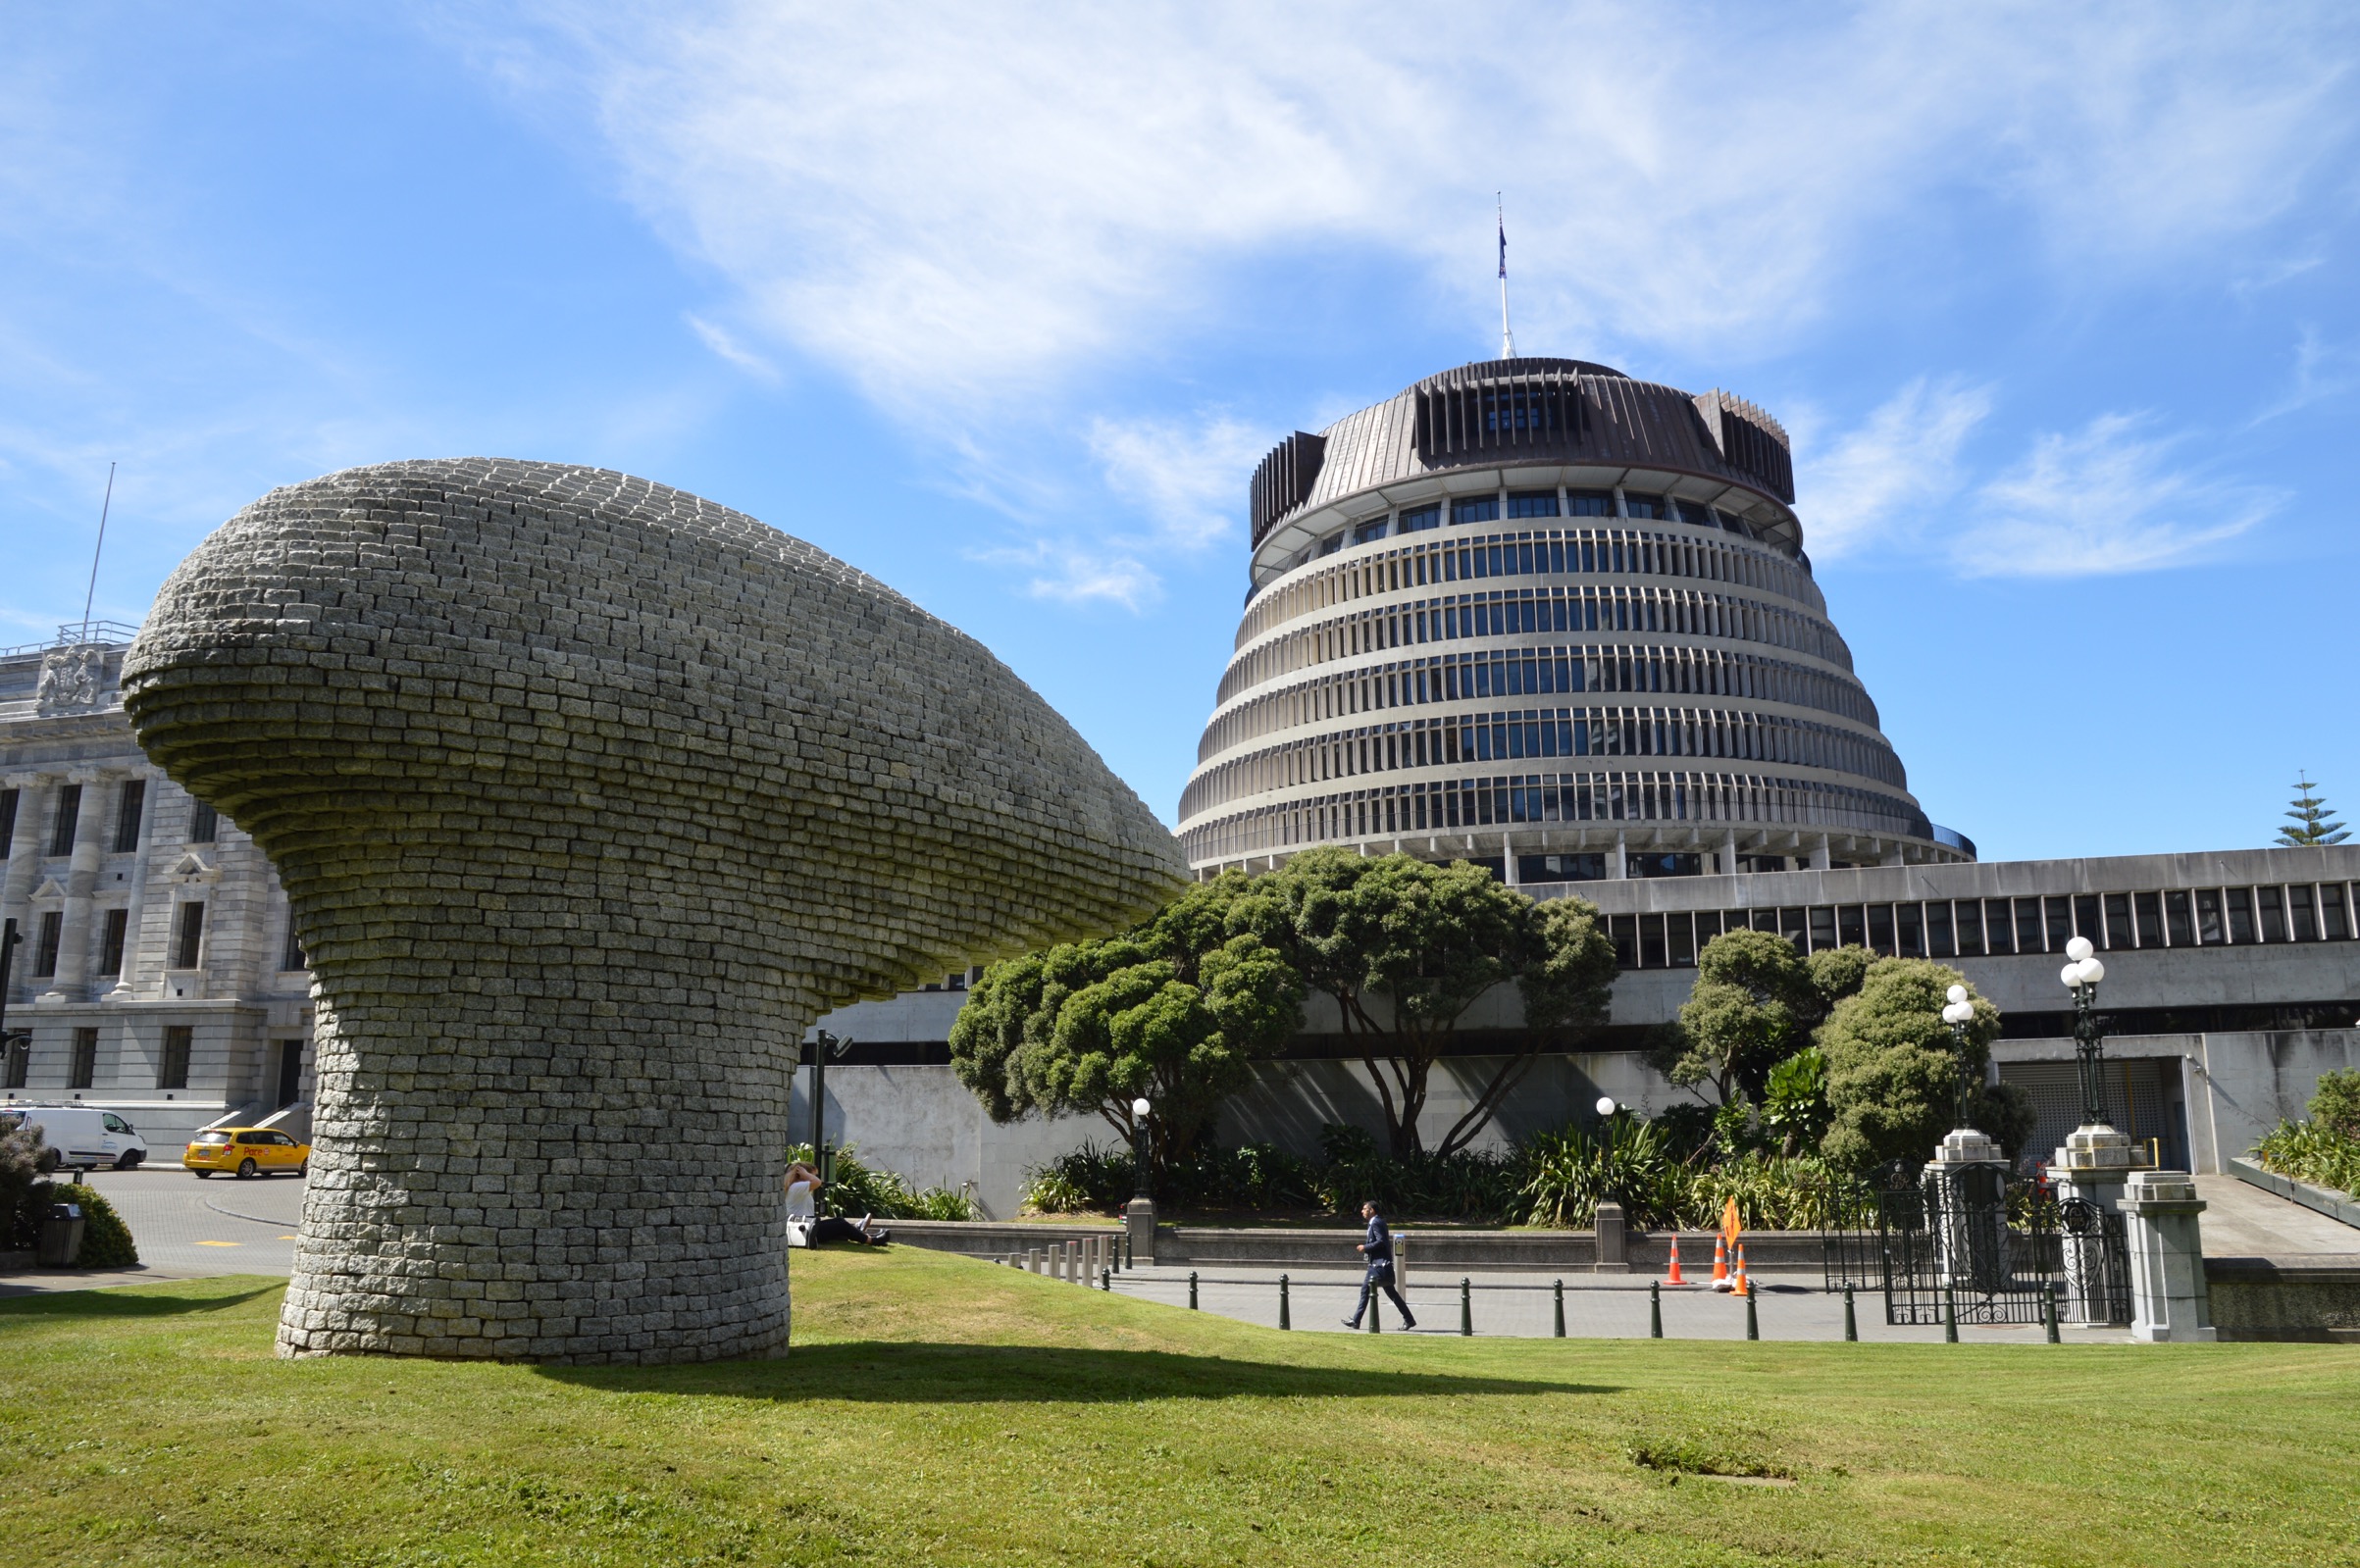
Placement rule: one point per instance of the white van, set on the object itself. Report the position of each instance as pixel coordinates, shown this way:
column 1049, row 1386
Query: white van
column 79, row 1135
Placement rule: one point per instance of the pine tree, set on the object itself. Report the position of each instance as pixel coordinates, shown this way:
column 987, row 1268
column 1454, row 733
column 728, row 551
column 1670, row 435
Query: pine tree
column 2313, row 823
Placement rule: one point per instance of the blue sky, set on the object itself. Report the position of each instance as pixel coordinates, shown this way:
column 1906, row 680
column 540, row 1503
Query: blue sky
column 1002, row 304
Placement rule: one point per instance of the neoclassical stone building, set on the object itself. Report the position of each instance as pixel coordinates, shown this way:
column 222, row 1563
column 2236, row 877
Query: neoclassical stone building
column 156, row 973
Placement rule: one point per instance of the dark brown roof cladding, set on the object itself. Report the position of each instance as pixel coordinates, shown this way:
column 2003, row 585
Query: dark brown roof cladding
column 1533, row 410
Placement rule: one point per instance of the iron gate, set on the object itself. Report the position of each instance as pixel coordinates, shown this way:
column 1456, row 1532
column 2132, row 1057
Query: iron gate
column 1994, row 1245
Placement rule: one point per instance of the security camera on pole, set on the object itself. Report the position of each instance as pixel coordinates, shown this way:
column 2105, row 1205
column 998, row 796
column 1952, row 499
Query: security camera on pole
column 1966, row 1184
column 1138, row 1218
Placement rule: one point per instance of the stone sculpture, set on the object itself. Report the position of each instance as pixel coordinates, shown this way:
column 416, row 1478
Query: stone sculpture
column 588, row 795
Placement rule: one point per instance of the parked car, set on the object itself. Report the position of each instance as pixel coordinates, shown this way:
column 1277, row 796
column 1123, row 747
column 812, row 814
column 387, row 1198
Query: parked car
column 247, row 1150
column 80, row 1136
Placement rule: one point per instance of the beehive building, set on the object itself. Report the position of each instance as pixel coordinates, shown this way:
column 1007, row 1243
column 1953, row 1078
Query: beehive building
column 1537, row 613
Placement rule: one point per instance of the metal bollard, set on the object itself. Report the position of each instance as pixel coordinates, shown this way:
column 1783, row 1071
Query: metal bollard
column 1467, row 1308
column 1374, row 1314
column 1106, row 1279
column 1655, row 1310
column 1073, row 1263
column 1950, row 1314
column 1851, row 1322
column 1753, row 1323
column 1285, row 1318
column 1192, row 1290
column 2048, row 1313
column 1560, row 1291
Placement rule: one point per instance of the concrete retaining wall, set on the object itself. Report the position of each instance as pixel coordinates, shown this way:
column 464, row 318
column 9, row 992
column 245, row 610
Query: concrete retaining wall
column 2268, row 1298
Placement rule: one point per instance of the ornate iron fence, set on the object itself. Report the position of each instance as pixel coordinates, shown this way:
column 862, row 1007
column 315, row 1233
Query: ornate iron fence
column 1991, row 1246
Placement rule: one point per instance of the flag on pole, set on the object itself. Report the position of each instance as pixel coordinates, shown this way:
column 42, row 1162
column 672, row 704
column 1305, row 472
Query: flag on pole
column 1503, row 246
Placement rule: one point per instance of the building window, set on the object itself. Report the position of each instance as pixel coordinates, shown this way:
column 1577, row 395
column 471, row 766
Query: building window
column 1822, row 928
column 187, row 935
column 1331, row 544
column 174, row 1074
column 110, row 944
column 45, row 947
column 130, row 806
column 2176, row 918
column 1693, row 511
column 1424, row 517
column 1373, row 528
column 2027, row 926
column 69, row 816
column 1940, row 942
column 203, row 823
column 1651, row 942
column 2085, row 919
column 1880, row 930
column 83, row 1073
column 2150, row 919
column 1644, row 507
column 2306, row 923
column 2119, row 931
column 1909, row 930
column 1590, row 867
column 2059, row 921
column 1851, row 926
column 1533, row 503
column 1590, row 503
column 2209, row 929
column 7, row 818
column 1970, row 928
column 2241, row 913
column 1623, row 931
column 1999, row 923
column 1476, row 509
column 292, row 957
column 2273, row 902
column 2332, row 919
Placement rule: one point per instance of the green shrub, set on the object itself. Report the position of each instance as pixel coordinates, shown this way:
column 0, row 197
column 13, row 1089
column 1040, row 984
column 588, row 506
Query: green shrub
column 106, row 1241
column 2309, row 1151
column 1568, row 1174
column 1773, row 1192
column 1089, row 1179
column 854, row 1188
column 2336, row 1105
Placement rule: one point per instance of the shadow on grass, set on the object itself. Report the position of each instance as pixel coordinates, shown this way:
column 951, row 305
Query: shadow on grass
column 993, row 1374
column 118, row 1303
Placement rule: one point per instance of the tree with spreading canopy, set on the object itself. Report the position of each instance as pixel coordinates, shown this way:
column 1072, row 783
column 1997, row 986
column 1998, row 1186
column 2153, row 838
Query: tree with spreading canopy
column 1752, row 1006
column 1403, row 948
column 1176, row 1010
column 1893, row 1074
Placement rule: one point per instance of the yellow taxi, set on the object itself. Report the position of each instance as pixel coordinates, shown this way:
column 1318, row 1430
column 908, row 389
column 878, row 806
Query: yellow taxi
column 247, row 1150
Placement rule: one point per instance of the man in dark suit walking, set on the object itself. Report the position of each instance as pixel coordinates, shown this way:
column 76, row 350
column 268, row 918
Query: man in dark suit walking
column 1378, row 1250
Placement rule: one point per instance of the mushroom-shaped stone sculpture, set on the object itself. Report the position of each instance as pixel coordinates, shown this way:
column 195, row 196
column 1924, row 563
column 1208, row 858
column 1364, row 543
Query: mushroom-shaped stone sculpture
column 588, row 795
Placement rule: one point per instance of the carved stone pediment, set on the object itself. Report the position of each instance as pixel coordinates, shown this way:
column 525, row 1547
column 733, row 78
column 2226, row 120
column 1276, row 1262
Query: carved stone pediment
column 72, row 680
column 191, row 867
column 49, row 888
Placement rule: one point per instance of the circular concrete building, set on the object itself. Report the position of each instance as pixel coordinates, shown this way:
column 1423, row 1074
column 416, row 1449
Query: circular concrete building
column 1538, row 614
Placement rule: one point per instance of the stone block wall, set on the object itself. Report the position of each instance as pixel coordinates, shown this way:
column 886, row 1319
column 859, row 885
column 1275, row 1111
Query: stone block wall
column 587, row 795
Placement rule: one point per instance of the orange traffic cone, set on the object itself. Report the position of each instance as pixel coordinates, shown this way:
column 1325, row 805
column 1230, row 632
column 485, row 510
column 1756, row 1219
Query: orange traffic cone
column 1675, row 1276
column 1739, row 1288
column 1720, row 1263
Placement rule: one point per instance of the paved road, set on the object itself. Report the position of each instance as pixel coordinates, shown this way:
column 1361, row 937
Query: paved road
column 189, row 1229
column 1521, row 1304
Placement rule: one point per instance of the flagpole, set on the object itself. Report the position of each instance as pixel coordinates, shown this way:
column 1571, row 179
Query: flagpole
column 1508, row 339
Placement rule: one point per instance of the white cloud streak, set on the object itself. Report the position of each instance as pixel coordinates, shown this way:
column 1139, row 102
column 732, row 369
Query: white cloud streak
column 2104, row 499
column 974, row 202
column 1877, row 484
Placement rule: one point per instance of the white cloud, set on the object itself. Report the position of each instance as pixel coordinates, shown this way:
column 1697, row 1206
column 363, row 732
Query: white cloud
column 729, row 348
column 1876, row 485
column 963, row 204
column 2106, row 499
column 1191, row 479
column 1073, row 573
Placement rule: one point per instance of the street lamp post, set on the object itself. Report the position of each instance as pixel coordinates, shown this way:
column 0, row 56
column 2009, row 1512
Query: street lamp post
column 1139, row 1149
column 823, row 1046
column 1958, row 1015
column 1138, row 1218
column 2081, row 975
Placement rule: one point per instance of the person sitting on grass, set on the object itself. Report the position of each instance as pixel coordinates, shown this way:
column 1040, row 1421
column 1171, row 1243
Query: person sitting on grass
column 802, row 1213
column 1378, row 1249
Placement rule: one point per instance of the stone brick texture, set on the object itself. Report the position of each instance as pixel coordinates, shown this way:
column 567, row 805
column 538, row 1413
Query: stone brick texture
column 588, row 795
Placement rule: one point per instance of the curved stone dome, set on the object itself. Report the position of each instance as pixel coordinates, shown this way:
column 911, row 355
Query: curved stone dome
column 587, row 795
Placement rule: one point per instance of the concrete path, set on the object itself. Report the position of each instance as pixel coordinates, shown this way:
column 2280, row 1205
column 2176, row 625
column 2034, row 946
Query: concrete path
column 1516, row 1304
column 189, row 1229
column 2241, row 1221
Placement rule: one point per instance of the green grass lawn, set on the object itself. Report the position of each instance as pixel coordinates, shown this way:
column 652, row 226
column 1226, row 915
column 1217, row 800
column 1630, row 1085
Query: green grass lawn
column 936, row 1409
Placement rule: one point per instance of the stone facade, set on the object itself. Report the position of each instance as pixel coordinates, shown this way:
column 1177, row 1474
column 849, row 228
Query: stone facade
column 155, row 976
column 588, row 795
